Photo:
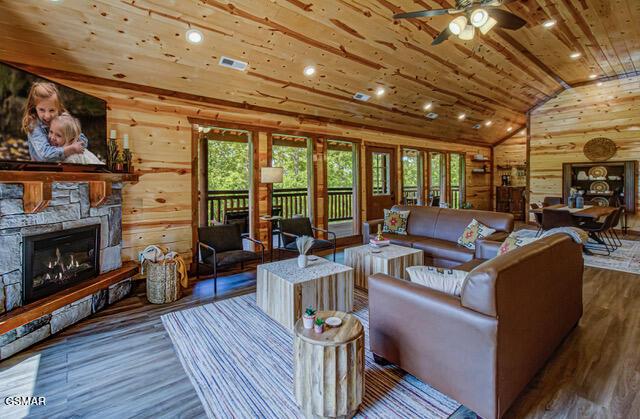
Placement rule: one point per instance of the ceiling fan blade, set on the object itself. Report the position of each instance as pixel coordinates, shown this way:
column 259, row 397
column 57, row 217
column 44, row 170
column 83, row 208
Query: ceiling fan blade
column 443, row 36
column 421, row 13
column 507, row 20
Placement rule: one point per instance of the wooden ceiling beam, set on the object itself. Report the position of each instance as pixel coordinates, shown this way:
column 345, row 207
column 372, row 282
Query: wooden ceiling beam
column 119, row 84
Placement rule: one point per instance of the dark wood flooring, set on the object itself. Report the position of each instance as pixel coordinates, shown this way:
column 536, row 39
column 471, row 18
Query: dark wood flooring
column 121, row 363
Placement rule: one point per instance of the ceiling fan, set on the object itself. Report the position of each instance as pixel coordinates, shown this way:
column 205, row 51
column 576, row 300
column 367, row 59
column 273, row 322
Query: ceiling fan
column 480, row 14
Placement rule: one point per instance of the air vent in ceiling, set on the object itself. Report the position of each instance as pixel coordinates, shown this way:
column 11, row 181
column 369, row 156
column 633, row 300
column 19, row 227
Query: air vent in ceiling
column 231, row 63
column 361, row 96
column 432, row 115
column 476, row 126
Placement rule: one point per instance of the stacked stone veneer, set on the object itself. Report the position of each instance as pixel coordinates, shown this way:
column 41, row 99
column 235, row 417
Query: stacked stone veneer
column 69, row 208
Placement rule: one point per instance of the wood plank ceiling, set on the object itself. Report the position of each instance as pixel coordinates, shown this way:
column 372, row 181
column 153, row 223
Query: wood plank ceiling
column 355, row 45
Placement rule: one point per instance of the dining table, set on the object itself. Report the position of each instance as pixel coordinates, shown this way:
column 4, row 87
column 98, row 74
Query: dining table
column 587, row 213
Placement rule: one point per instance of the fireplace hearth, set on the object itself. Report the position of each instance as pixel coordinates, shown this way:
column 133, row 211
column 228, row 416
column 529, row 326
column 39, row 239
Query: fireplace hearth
column 55, row 261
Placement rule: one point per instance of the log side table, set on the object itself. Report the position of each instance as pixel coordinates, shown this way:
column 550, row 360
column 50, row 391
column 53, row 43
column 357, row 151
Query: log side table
column 391, row 260
column 284, row 290
column 329, row 368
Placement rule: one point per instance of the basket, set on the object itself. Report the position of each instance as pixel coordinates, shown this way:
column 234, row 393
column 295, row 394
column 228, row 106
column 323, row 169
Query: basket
column 162, row 282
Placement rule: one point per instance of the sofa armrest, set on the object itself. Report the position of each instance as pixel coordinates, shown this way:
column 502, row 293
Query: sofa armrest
column 430, row 335
column 487, row 249
column 370, row 228
column 498, row 236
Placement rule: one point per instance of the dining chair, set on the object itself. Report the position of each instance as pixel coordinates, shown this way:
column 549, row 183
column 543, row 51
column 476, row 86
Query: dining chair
column 552, row 200
column 537, row 217
column 553, row 218
column 598, row 232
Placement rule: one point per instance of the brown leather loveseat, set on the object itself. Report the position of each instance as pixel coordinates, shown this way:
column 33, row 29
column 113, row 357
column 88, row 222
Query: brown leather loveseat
column 483, row 347
column 435, row 231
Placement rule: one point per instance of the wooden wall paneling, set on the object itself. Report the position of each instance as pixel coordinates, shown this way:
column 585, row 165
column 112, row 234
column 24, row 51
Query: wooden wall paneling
column 319, row 185
column 560, row 128
column 263, row 196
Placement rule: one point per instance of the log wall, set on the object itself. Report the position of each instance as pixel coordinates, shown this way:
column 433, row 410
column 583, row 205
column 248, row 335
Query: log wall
column 561, row 127
column 158, row 209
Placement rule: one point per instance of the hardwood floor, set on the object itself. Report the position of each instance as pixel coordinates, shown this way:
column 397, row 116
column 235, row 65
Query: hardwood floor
column 121, row 363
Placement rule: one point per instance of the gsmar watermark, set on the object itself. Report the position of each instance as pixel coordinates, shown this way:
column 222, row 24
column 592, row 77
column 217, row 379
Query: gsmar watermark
column 25, row 401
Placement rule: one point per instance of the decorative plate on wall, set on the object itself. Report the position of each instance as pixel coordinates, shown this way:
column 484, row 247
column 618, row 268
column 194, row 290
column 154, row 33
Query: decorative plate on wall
column 599, row 149
column 600, row 201
column 598, row 171
column 599, row 186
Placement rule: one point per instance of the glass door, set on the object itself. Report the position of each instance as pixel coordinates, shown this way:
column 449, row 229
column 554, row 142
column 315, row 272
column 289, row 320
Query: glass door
column 291, row 197
column 412, row 177
column 456, row 180
column 342, row 191
column 436, row 178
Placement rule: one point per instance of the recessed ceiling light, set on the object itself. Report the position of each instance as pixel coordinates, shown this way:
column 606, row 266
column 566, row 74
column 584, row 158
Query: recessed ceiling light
column 599, row 83
column 549, row 23
column 379, row 91
column 462, row 116
column 309, row 70
column 194, row 36
column 428, row 106
column 575, row 55
column 593, row 76
column 523, row 132
column 488, row 123
column 509, row 129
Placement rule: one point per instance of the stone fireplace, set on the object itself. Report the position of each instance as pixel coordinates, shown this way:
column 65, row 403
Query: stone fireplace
column 65, row 245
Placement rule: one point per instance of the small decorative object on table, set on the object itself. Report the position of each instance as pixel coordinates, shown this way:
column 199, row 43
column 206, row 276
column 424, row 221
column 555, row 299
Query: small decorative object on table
column 303, row 244
column 112, row 151
column 126, row 155
column 379, row 235
column 379, row 241
column 333, row 321
column 308, row 318
column 466, row 205
column 580, row 200
column 318, row 325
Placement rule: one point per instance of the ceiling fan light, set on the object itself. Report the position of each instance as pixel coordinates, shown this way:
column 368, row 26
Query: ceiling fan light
column 457, row 25
column 490, row 23
column 479, row 17
column 468, row 33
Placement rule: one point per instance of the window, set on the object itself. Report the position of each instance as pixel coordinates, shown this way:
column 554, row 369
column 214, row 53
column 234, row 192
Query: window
column 342, row 191
column 456, row 179
column 435, row 175
column 381, row 163
column 411, row 177
column 291, row 197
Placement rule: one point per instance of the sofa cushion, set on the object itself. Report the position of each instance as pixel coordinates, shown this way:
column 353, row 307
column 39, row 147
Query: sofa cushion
column 474, row 231
column 448, row 281
column 395, row 221
column 442, row 249
column 452, row 222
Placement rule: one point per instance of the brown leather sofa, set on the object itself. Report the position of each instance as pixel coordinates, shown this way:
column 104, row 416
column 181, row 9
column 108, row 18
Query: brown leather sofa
column 435, row 231
column 483, row 347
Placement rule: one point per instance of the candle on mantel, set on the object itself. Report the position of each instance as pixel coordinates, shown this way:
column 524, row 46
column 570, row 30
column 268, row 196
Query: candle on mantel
column 112, row 135
column 125, row 141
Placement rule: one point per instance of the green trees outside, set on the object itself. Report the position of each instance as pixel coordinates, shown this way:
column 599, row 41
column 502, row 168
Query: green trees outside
column 228, row 165
column 294, row 162
column 339, row 168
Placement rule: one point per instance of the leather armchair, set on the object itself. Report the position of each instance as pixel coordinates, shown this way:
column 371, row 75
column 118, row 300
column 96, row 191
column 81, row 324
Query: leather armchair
column 292, row 228
column 483, row 347
column 221, row 246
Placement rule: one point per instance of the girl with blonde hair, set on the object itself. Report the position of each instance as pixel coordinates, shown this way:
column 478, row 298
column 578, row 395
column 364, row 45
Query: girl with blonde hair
column 64, row 131
column 43, row 105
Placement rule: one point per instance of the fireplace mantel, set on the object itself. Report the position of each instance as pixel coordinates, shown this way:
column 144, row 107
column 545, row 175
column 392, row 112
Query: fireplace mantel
column 37, row 185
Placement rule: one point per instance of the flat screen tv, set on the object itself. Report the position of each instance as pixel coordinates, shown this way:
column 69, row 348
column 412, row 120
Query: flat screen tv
column 42, row 145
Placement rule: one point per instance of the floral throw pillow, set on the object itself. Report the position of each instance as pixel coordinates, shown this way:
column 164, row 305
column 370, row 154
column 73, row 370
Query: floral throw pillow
column 449, row 281
column 513, row 242
column 395, row 221
column 474, row 231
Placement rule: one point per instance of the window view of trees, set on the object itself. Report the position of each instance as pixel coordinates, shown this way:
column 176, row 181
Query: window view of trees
column 228, row 165
column 435, row 160
column 294, row 162
column 339, row 168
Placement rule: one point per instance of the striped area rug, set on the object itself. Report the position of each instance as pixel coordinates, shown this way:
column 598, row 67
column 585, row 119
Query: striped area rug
column 240, row 362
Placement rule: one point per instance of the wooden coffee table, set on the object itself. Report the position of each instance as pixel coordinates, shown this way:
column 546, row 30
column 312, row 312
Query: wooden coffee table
column 329, row 368
column 284, row 290
column 391, row 260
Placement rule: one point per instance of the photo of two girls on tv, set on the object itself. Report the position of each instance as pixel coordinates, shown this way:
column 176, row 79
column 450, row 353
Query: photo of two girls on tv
column 46, row 122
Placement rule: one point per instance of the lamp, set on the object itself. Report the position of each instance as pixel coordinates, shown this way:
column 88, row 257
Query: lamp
column 271, row 174
column 467, row 33
column 491, row 22
column 457, row 25
column 479, row 17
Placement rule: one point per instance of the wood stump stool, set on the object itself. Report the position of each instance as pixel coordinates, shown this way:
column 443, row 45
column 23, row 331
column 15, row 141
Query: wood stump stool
column 329, row 368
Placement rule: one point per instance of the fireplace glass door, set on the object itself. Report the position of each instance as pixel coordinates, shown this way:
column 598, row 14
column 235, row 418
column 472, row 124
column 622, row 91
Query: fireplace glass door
column 55, row 261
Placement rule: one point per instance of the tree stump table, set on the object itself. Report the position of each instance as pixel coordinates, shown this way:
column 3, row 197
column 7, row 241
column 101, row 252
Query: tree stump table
column 329, row 368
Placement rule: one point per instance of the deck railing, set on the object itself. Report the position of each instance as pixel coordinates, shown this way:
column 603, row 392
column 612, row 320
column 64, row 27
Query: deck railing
column 286, row 202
